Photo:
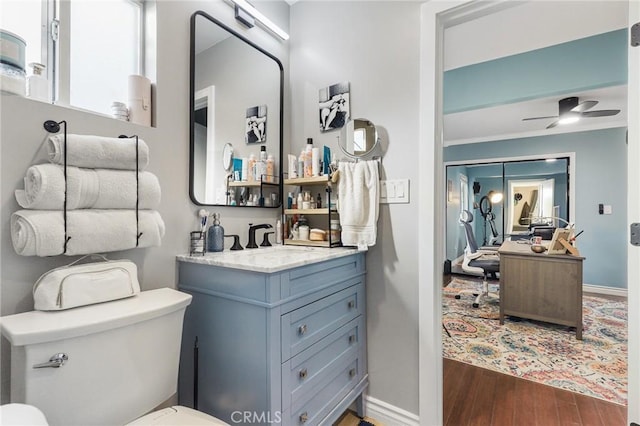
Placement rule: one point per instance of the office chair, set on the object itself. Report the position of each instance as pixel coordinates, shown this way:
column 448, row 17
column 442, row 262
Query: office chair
column 478, row 261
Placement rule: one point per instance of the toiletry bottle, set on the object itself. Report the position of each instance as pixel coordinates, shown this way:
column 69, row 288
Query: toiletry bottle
column 278, row 232
column 251, row 168
column 215, row 235
column 261, row 165
column 319, row 202
column 290, row 201
column 299, row 200
column 315, row 161
column 245, row 169
column 301, row 164
column 271, row 166
column 37, row 85
column 308, row 158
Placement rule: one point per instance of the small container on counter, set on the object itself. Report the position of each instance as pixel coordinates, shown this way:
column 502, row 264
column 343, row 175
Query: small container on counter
column 335, row 230
column 198, row 245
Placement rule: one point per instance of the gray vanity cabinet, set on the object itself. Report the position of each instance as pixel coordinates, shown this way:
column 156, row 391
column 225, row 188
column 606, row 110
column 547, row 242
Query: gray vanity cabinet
column 286, row 347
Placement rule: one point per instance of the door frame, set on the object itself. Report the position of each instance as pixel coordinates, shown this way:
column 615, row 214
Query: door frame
column 435, row 16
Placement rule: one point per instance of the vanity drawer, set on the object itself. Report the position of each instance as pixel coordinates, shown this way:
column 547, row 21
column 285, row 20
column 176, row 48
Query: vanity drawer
column 307, row 325
column 304, row 371
column 334, row 387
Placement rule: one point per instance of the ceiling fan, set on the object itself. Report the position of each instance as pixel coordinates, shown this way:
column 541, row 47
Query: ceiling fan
column 571, row 110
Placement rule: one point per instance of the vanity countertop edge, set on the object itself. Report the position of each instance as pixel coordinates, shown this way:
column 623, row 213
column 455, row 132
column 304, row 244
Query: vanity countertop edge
column 269, row 259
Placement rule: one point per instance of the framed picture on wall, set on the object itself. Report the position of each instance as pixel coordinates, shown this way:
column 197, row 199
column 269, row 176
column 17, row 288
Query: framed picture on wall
column 256, row 128
column 333, row 106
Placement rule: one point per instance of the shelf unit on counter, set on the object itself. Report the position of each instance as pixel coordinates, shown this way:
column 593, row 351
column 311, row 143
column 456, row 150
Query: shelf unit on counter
column 266, row 187
column 329, row 213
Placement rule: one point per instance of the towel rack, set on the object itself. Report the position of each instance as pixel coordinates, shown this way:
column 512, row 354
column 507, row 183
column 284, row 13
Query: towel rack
column 376, row 158
column 138, row 233
column 52, row 126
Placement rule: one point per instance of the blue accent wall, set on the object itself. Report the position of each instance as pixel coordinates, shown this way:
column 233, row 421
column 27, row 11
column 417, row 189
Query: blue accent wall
column 600, row 177
column 584, row 64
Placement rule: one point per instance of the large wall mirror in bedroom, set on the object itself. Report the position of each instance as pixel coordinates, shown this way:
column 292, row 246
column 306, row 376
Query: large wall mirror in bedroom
column 236, row 118
column 506, row 199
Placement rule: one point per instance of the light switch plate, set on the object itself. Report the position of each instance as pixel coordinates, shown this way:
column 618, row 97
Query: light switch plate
column 395, row 191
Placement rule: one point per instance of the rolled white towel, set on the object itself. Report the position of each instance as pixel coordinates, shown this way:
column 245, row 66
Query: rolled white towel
column 87, row 188
column 41, row 232
column 98, row 152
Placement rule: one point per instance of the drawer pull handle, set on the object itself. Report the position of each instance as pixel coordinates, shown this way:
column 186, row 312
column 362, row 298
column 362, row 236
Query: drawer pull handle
column 302, row 329
column 303, row 373
column 304, row 417
column 351, row 304
column 352, row 373
column 352, row 338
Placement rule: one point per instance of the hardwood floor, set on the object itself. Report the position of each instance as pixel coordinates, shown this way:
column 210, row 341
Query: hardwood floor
column 475, row 396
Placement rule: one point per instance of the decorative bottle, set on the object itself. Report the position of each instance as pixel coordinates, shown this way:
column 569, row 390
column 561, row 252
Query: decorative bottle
column 215, row 235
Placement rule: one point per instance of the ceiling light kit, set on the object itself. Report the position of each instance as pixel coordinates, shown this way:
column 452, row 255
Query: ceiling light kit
column 570, row 110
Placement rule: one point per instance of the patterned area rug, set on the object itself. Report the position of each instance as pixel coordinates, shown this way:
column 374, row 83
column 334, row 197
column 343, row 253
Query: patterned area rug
column 538, row 351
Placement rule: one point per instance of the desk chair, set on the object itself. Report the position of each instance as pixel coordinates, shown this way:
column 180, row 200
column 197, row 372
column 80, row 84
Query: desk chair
column 478, row 261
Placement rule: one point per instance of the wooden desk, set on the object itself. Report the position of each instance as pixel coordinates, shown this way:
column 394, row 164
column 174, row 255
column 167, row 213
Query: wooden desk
column 540, row 286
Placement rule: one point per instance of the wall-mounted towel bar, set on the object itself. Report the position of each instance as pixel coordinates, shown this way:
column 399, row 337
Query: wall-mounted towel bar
column 52, row 126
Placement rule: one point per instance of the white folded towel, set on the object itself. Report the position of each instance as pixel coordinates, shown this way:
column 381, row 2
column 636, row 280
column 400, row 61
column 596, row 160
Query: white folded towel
column 87, row 188
column 98, row 152
column 358, row 198
column 41, row 232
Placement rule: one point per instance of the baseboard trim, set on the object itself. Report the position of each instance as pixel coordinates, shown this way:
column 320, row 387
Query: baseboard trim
column 388, row 414
column 598, row 289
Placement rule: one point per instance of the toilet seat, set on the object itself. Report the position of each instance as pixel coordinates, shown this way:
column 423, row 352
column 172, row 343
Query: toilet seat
column 176, row 416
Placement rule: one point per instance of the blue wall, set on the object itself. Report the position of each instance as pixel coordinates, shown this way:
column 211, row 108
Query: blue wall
column 584, row 64
column 601, row 177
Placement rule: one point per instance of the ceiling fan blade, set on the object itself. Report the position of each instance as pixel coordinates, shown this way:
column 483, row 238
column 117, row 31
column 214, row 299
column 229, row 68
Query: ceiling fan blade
column 583, row 106
column 600, row 113
column 539, row 118
column 554, row 124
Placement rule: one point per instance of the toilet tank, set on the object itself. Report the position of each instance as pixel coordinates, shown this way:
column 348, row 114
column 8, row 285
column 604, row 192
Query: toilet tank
column 123, row 358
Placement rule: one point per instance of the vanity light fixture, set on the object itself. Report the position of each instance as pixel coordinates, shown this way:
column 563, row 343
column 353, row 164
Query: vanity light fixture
column 255, row 14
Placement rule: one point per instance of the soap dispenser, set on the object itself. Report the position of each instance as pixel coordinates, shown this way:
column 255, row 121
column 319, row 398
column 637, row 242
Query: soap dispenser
column 215, row 235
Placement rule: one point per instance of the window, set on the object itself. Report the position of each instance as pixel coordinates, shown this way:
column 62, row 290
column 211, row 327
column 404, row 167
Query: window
column 104, row 49
column 90, row 47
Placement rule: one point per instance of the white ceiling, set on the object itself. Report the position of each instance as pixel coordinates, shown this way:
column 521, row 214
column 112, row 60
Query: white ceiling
column 524, row 27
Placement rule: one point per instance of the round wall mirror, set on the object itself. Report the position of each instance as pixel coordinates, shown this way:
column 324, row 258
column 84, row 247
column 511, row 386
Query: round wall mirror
column 359, row 137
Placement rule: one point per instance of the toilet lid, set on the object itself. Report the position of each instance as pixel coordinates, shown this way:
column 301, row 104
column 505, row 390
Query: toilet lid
column 21, row 414
column 178, row 415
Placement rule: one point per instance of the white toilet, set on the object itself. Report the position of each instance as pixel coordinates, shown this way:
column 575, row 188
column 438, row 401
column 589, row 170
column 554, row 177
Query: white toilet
column 116, row 361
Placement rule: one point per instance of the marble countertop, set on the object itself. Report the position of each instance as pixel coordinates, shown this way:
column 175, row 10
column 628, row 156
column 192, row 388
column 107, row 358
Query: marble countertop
column 269, row 259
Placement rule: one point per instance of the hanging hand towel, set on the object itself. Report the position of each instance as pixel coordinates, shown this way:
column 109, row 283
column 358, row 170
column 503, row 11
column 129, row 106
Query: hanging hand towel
column 41, row 232
column 87, row 188
column 358, row 202
column 97, row 152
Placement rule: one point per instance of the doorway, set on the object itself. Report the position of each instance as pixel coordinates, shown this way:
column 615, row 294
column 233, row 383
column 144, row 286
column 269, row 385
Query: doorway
column 436, row 16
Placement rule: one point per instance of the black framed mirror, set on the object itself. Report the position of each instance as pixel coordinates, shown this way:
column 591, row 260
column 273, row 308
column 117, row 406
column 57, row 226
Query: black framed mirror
column 236, row 118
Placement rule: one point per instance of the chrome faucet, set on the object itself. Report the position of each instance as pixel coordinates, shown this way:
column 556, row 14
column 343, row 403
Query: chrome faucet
column 252, row 233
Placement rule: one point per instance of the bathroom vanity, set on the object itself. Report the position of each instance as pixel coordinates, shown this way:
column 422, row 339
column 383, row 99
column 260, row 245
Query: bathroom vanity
column 274, row 335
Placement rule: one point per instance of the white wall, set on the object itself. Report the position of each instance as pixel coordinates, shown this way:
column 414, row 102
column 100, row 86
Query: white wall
column 21, row 135
column 375, row 46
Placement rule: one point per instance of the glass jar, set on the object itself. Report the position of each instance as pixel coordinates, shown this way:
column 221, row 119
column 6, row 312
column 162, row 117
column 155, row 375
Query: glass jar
column 335, row 230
